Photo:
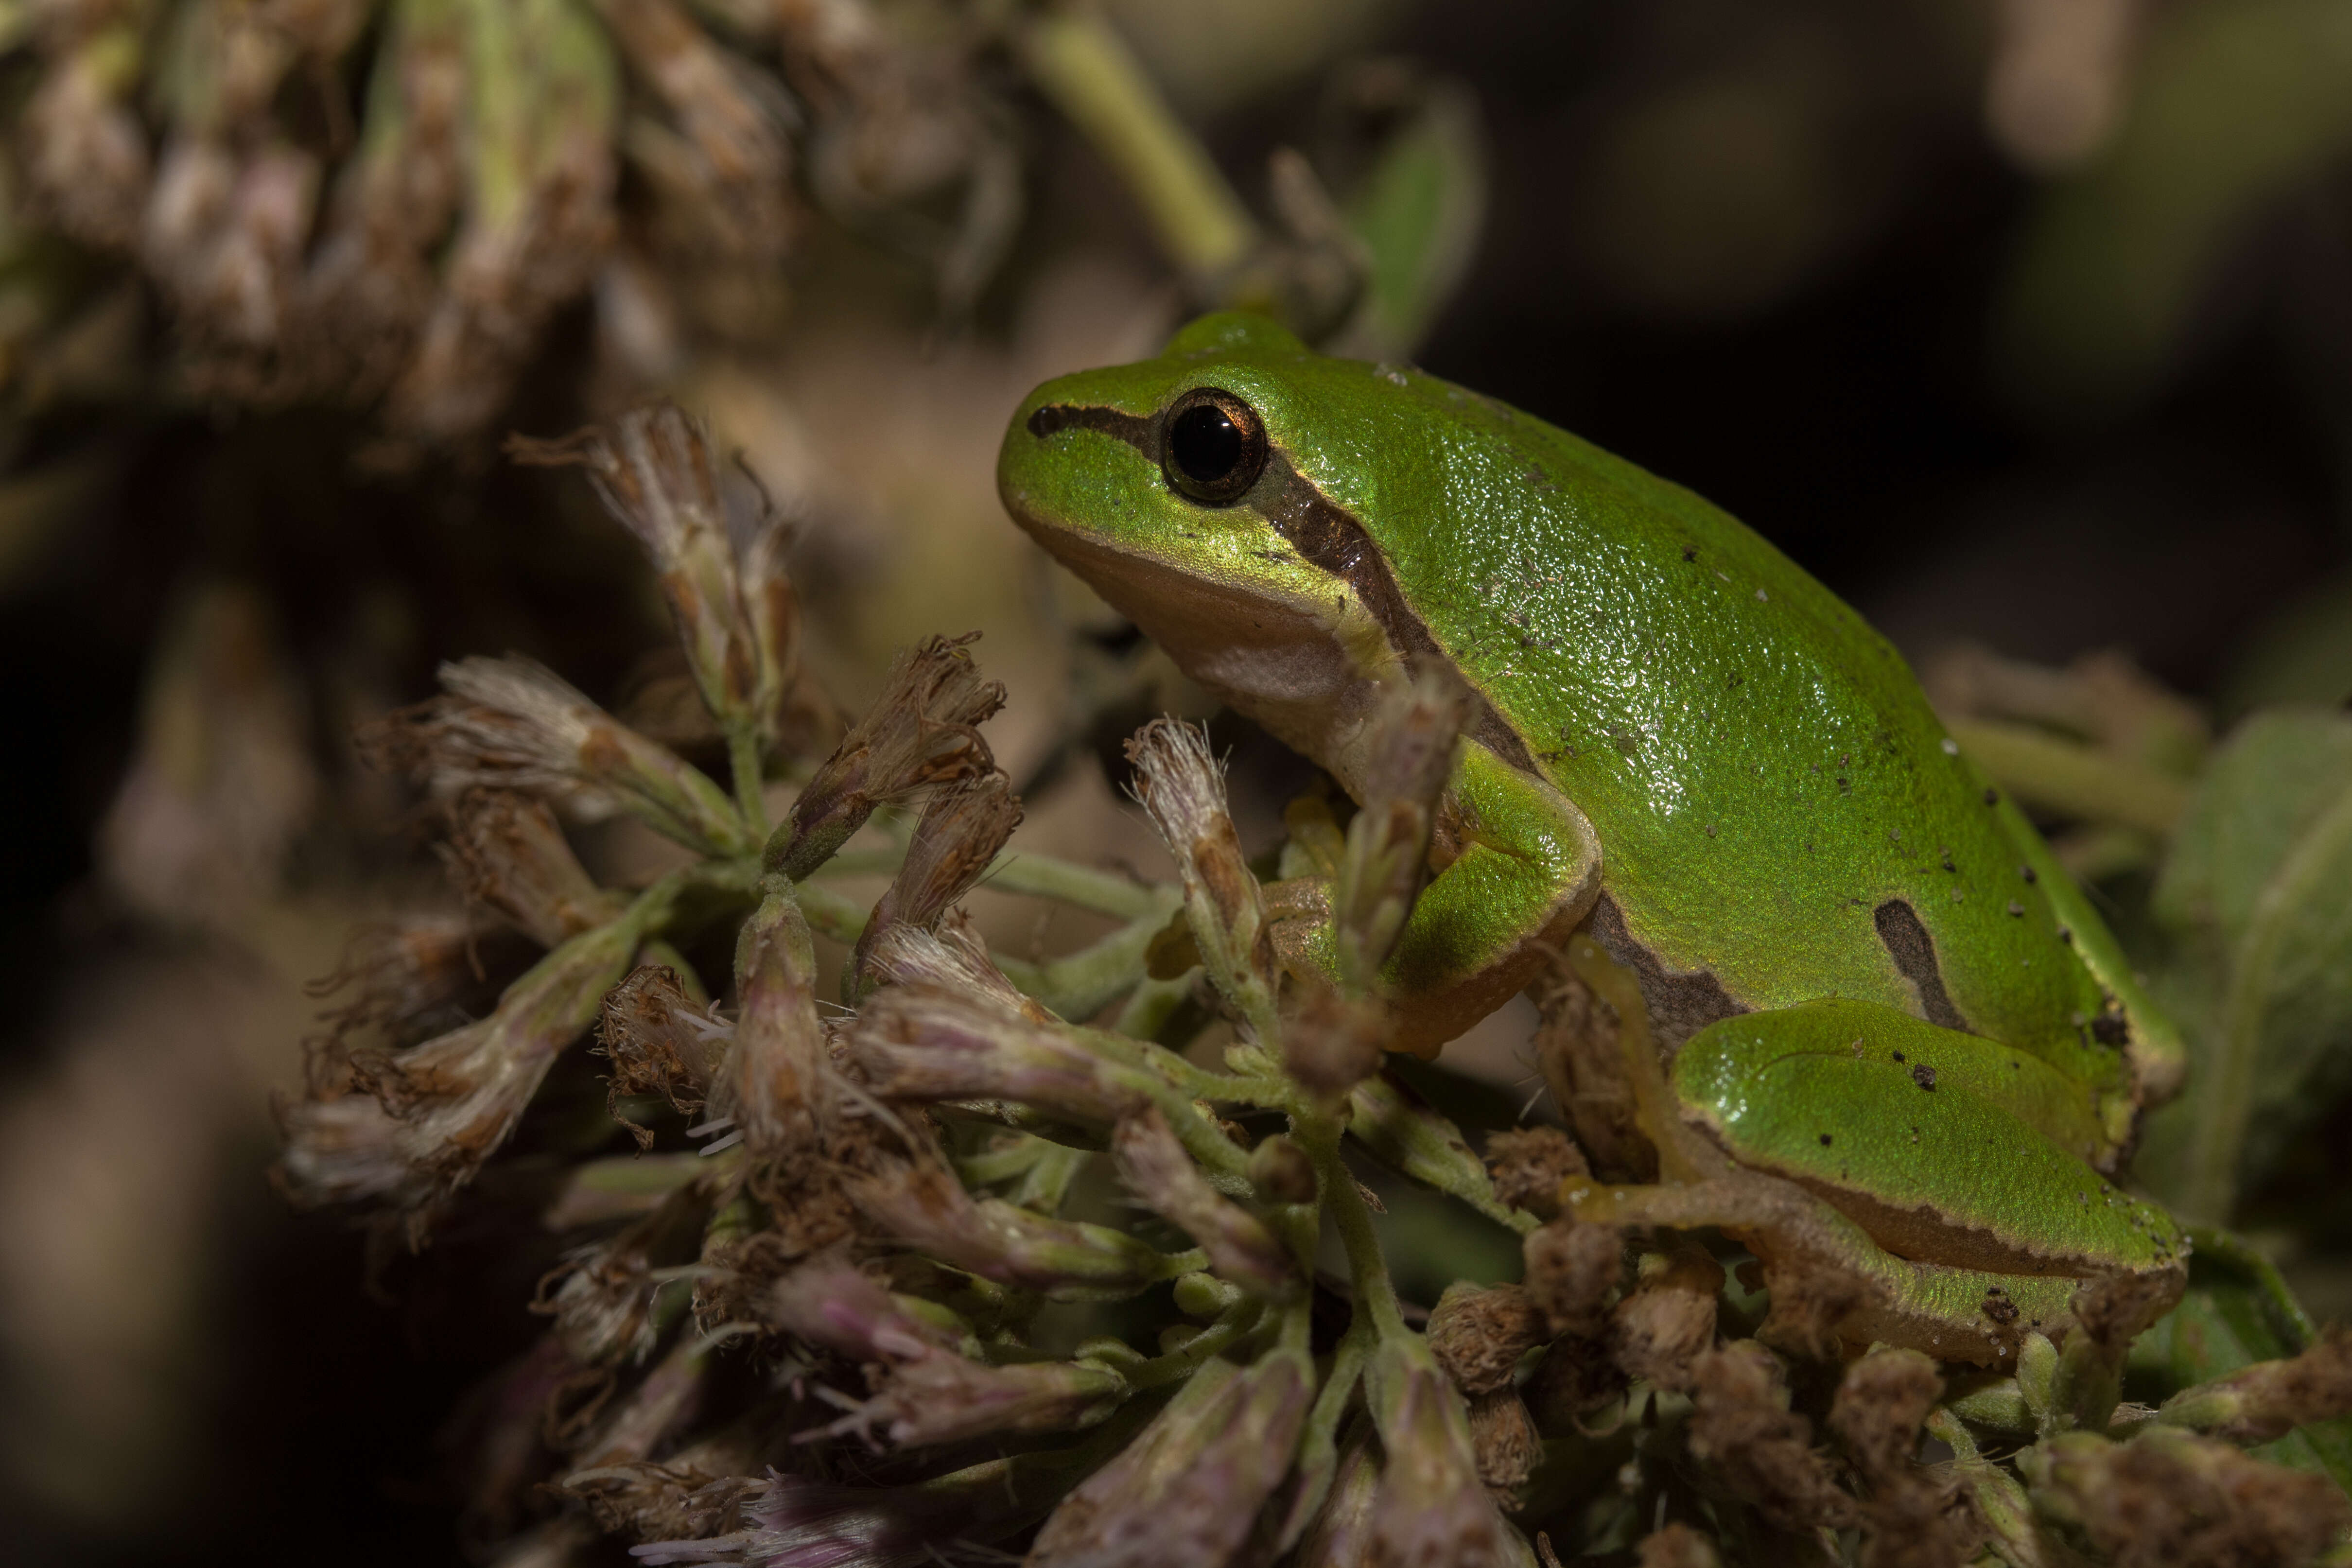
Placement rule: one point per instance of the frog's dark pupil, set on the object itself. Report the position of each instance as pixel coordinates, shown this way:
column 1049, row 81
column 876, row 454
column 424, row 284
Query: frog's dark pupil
column 1206, row 443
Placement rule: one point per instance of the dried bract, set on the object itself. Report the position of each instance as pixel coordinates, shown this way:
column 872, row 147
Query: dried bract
column 602, row 1295
column 1432, row 1510
column 772, row 1083
column 925, row 1042
column 1666, row 1322
column 1742, row 1428
column 419, row 1124
column 2169, row 1497
column 2263, row 1401
column 1572, row 1268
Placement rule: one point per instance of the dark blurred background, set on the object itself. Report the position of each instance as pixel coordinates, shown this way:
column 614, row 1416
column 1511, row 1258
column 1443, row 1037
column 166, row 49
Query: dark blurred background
column 2015, row 334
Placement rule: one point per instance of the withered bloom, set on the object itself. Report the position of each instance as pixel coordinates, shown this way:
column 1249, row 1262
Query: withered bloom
column 771, row 1084
column 1240, row 1247
column 660, row 1042
column 1183, row 788
column 509, row 724
column 1186, row 1492
column 1661, row 1327
column 414, row 978
column 798, row 1521
column 1332, row 1042
column 1431, row 1507
column 2261, row 1403
column 507, row 853
column 954, row 958
column 735, row 613
column 1480, row 1334
column 924, row 731
column 1572, row 1268
column 1413, row 735
column 1741, row 1427
column 417, row 1124
column 962, row 830
column 1528, row 1163
column 602, row 1295
column 929, row 1042
column 929, row 1209
column 2168, row 1496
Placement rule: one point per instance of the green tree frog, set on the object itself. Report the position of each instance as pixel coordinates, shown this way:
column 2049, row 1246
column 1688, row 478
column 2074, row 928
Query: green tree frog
column 1874, row 996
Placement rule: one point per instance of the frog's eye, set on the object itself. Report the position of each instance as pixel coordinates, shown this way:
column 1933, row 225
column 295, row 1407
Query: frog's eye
column 1214, row 446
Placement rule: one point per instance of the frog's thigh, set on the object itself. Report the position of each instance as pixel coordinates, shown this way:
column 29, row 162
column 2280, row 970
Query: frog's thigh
column 1913, row 1141
column 1485, row 926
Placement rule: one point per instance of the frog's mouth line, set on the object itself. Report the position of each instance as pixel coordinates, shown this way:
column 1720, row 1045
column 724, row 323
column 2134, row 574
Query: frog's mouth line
column 1326, row 537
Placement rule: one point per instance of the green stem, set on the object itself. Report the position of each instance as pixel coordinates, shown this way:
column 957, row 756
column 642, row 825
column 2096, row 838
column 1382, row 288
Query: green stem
column 1368, row 1272
column 2227, row 1100
column 1080, row 984
column 1044, row 876
column 2067, row 776
column 1087, row 72
column 1186, row 1359
column 748, row 763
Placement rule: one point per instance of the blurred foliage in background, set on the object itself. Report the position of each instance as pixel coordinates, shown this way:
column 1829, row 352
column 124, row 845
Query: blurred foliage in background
column 2026, row 324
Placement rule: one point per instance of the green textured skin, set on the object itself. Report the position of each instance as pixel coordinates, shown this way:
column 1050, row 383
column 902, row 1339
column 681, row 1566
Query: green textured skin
column 1759, row 767
column 1849, row 1098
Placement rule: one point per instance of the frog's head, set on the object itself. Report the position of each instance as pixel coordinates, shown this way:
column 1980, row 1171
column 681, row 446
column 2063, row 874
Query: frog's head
column 1174, row 487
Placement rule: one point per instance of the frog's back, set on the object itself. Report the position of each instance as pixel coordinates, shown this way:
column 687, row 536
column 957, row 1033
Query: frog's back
column 1782, row 817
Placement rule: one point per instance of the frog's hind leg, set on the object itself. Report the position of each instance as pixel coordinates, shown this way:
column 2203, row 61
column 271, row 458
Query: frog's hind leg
column 1830, row 1282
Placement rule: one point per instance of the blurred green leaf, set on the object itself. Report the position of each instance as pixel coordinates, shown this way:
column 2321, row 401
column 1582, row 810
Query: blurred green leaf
column 1418, row 210
column 2258, row 890
column 2237, row 1310
column 2235, row 101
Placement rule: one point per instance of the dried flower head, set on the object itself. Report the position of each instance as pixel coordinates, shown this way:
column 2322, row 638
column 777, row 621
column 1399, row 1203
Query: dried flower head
column 1240, row 1248
column 418, row 1123
column 507, row 853
column 736, row 619
column 1409, row 747
column 924, row 1042
column 1742, row 1428
column 1528, row 1163
column 1187, row 1489
column 509, row 724
column 962, row 831
column 2168, row 1496
column 1480, row 1334
column 1183, row 788
column 929, row 1209
column 922, row 731
column 661, row 1042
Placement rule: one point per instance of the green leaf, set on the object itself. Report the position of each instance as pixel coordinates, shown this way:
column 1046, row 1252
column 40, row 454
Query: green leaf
column 2258, row 891
column 2237, row 1310
column 1418, row 211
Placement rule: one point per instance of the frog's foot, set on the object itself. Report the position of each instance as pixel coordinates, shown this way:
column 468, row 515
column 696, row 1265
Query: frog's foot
column 1832, row 1285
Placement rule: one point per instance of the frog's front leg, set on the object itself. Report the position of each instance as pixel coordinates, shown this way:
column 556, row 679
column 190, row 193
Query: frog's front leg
column 1518, row 869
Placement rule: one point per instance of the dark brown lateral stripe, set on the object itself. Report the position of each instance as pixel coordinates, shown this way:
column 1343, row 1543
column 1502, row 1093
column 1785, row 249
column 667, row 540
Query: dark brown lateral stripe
column 1326, row 536
column 1135, row 429
column 1914, row 952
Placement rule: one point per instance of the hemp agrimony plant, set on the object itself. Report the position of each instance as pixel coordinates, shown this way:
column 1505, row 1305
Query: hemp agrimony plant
column 823, row 1259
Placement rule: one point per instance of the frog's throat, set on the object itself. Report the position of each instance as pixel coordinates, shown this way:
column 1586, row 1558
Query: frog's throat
column 1326, row 536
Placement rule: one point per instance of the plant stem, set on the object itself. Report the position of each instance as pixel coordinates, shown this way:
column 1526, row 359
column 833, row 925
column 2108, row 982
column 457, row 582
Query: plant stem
column 1087, row 70
column 747, row 763
column 2070, row 777
column 1106, row 893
